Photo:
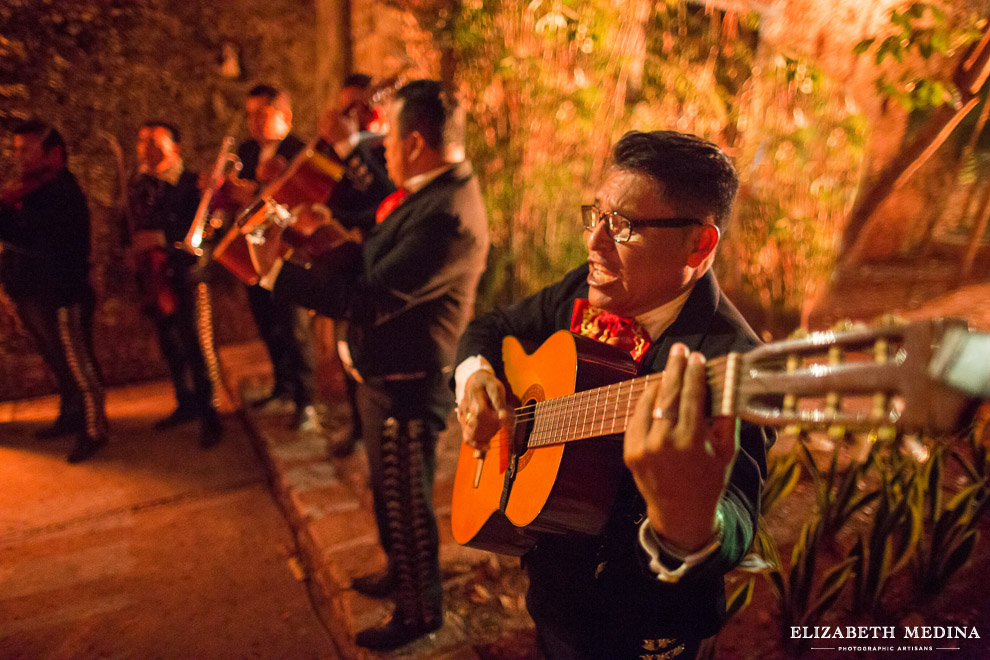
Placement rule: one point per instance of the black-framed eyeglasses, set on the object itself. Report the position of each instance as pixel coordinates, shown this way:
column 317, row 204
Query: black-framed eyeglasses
column 620, row 228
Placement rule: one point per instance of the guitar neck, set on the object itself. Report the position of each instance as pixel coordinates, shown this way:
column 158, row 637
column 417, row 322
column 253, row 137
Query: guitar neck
column 607, row 410
column 922, row 376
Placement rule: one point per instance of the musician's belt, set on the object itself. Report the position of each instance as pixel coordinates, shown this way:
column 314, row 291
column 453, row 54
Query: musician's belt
column 398, row 378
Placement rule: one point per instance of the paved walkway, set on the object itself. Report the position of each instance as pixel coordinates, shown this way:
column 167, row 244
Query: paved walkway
column 153, row 548
column 328, row 503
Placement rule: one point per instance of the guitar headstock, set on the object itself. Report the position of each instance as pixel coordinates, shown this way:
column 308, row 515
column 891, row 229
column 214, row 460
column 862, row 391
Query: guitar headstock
column 891, row 376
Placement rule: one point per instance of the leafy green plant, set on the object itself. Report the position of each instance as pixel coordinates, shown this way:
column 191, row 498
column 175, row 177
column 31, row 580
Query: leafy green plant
column 924, row 31
column 549, row 87
column 738, row 601
column 977, row 463
column 800, row 150
column 783, row 476
column 839, row 492
column 800, row 600
column 891, row 541
column 953, row 527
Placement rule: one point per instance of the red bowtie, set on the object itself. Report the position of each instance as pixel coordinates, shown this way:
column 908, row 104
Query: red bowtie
column 390, row 203
column 608, row 328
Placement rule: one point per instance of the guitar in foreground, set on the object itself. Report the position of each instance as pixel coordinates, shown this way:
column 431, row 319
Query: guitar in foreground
column 575, row 398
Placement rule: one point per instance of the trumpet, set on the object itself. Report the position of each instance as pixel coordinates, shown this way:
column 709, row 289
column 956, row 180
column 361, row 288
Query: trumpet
column 226, row 163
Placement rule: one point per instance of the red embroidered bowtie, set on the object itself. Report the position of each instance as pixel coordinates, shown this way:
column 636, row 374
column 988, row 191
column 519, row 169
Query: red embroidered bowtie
column 608, row 328
column 390, row 203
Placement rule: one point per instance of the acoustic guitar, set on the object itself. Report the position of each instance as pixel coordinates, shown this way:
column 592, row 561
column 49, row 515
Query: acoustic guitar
column 557, row 471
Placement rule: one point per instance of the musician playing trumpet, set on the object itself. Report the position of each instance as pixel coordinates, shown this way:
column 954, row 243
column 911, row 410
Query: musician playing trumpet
column 650, row 585
column 44, row 268
column 162, row 200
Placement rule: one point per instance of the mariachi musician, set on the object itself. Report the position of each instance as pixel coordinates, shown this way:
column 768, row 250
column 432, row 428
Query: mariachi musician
column 45, row 229
column 407, row 298
column 650, row 583
column 355, row 200
column 285, row 328
column 161, row 203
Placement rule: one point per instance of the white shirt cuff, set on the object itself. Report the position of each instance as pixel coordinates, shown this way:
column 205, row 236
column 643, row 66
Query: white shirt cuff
column 654, row 545
column 267, row 280
column 464, row 371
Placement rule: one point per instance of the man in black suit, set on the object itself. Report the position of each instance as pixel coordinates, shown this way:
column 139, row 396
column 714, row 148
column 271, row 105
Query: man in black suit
column 286, row 329
column 354, row 202
column 44, row 224
column 651, row 582
column 406, row 303
column 162, row 202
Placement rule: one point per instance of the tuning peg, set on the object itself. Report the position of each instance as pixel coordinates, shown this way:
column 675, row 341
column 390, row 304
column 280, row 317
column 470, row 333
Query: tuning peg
column 890, row 320
column 886, row 433
column 842, row 325
column 793, row 431
column 837, row 432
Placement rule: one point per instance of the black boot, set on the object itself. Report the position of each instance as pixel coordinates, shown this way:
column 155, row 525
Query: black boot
column 182, row 414
column 85, row 447
column 393, row 632
column 344, row 448
column 375, row 585
column 210, row 429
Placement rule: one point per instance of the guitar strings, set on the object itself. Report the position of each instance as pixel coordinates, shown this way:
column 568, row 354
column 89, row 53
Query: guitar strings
column 561, row 414
column 716, row 376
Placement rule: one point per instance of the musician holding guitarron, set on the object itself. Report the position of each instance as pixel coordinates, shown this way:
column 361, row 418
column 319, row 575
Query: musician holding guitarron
column 625, row 537
column 285, row 329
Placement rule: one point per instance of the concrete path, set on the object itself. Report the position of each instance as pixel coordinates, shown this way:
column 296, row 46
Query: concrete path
column 328, row 503
column 154, row 548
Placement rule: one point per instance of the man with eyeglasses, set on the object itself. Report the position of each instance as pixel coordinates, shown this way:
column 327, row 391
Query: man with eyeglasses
column 651, row 582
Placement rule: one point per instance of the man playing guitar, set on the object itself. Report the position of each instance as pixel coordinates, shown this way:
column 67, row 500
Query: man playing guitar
column 686, row 510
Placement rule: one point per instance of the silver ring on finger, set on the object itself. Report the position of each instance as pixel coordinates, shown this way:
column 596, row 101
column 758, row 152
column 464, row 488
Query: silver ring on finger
column 664, row 413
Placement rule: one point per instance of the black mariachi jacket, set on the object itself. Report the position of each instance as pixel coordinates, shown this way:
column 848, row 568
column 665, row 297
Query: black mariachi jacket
column 589, row 592
column 249, row 152
column 355, row 199
column 48, row 243
column 412, row 291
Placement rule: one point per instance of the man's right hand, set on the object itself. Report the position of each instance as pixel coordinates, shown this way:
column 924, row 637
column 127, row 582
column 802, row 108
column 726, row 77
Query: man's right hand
column 482, row 411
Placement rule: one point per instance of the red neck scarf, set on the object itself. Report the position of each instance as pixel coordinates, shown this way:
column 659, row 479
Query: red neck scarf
column 608, row 328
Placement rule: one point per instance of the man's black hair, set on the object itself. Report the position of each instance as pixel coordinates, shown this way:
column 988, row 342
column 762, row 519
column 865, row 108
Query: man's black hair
column 430, row 110
column 50, row 137
column 274, row 96
column 270, row 92
column 172, row 129
column 696, row 174
column 359, row 80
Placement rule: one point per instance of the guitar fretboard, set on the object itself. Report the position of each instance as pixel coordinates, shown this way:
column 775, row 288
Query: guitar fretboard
column 603, row 410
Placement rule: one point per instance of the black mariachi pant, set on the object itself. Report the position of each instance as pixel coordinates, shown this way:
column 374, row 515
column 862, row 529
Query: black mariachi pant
column 287, row 331
column 178, row 339
column 64, row 337
column 401, row 421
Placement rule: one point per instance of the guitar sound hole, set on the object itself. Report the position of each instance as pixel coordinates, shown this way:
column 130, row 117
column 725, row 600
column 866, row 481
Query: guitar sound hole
column 524, row 427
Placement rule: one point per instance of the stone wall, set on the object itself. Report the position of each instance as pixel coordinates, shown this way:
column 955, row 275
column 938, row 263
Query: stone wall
column 96, row 69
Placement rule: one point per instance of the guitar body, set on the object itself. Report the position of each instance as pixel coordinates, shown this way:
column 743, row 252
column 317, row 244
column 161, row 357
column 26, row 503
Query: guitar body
column 522, row 491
